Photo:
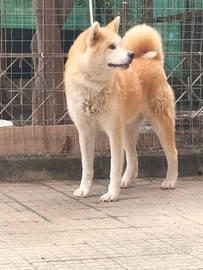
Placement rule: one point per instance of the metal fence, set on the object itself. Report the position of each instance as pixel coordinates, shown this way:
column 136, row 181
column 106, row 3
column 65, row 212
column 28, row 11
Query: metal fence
column 35, row 36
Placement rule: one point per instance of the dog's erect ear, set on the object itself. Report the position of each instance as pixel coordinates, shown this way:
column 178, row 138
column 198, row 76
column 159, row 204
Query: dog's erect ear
column 94, row 34
column 114, row 25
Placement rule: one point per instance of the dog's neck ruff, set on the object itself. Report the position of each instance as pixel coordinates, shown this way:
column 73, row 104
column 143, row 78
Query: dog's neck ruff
column 98, row 86
column 98, row 81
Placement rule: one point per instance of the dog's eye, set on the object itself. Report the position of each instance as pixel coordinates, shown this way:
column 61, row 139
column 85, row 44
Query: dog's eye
column 112, row 47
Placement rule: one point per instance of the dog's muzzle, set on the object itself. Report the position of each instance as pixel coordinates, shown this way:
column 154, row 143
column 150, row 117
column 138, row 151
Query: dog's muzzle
column 126, row 65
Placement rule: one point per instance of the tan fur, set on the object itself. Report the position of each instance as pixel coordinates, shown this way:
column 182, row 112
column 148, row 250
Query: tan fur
column 117, row 101
column 142, row 39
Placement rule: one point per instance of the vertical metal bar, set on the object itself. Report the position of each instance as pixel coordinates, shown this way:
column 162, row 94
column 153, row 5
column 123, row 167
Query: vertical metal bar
column 124, row 15
column 44, row 92
column 200, row 57
column 91, row 11
column 183, row 26
column 148, row 12
column 193, row 2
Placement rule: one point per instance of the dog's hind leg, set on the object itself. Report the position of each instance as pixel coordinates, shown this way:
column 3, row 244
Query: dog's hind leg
column 164, row 129
column 87, row 144
column 130, row 141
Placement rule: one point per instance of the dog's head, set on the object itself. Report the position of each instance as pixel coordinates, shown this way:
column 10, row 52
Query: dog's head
column 104, row 48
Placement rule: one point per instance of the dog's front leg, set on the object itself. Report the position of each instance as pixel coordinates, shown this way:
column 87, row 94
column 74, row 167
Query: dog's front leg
column 87, row 143
column 116, row 144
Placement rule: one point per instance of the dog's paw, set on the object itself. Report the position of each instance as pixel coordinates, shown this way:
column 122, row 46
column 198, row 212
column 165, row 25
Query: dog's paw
column 125, row 184
column 82, row 193
column 108, row 197
column 169, row 184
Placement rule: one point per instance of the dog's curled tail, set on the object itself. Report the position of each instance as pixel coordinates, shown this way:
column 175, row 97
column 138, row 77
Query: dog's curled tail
column 144, row 41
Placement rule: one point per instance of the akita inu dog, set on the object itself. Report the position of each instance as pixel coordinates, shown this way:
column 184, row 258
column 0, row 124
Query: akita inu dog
column 115, row 84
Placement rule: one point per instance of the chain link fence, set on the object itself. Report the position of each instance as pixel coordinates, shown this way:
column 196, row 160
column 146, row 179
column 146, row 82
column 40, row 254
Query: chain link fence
column 35, row 37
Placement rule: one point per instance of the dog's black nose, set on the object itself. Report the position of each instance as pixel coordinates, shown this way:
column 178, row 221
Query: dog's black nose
column 131, row 55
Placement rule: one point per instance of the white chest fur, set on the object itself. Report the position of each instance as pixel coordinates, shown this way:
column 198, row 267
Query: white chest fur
column 88, row 103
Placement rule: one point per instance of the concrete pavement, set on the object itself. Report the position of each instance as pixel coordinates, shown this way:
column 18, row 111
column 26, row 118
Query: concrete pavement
column 42, row 226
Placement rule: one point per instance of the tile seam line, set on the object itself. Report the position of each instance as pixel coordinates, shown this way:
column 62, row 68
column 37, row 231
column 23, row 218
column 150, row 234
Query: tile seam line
column 85, row 204
column 28, row 208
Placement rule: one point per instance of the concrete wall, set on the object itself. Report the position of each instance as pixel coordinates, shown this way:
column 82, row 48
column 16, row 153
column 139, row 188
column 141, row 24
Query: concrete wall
column 49, row 139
